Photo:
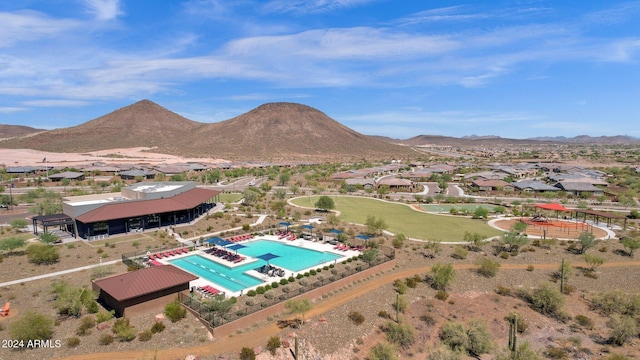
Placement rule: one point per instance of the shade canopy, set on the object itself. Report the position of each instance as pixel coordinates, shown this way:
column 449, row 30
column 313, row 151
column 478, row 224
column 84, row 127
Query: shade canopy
column 335, row 231
column 268, row 256
column 236, row 246
column 284, row 223
column 553, row 206
column 218, row 241
column 363, row 237
column 308, row 227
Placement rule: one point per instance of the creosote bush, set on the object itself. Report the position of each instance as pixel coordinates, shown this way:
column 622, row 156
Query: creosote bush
column 157, row 327
column 356, row 317
column 488, row 268
column 73, row 341
column 174, row 311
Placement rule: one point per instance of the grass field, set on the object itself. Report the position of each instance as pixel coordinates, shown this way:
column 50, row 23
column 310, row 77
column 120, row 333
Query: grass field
column 445, row 208
column 402, row 219
column 230, row 197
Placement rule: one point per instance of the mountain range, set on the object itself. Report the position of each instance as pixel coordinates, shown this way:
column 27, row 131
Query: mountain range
column 273, row 131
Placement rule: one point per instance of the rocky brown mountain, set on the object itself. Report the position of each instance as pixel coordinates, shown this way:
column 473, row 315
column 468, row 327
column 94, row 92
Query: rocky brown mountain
column 274, row 131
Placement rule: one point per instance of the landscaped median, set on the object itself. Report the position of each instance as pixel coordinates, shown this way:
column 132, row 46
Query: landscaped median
column 401, row 218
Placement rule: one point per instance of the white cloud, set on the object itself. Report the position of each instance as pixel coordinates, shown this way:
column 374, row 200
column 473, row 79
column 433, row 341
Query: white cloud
column 310, row 6
column 55, row 103
column 10, row 110
column 27, row 25
column 103, row 9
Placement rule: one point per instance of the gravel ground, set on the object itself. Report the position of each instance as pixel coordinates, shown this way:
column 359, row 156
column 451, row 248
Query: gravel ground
column 331, row 335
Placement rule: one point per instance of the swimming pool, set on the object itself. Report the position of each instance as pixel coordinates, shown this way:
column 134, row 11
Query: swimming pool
column 234, row 279
column 289, row 257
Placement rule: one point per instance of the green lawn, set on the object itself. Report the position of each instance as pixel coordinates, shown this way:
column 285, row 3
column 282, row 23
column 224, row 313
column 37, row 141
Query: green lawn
column 230, row 197
column 401, row 218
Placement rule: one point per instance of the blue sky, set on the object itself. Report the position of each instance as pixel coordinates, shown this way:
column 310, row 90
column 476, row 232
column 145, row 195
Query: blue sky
column 519, row 68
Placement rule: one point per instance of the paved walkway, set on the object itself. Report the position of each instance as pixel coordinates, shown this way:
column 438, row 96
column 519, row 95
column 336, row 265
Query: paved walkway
column 58, row 273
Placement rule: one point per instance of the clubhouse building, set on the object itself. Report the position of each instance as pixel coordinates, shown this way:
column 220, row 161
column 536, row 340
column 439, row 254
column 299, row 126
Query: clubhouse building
column 138, row 207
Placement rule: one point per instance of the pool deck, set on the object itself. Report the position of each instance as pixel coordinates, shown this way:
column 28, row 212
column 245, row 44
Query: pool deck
column 307, row 244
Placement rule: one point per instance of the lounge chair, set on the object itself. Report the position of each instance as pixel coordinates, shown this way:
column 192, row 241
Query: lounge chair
column 184, row 250
column 172, row 253
column 159, row 256
column 166, row 254
column 5, row 310
column 152, row 257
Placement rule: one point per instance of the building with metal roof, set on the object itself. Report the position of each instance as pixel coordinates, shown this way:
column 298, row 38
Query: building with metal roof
column 140, row 291
column 138, row 207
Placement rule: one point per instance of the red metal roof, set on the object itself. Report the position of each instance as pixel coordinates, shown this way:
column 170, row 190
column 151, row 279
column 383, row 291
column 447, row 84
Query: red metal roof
column 554, row 206
column 130, row 209
column 144, row 281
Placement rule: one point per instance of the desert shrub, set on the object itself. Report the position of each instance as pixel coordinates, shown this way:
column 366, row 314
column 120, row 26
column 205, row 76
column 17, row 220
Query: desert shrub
column 284, row 281
column 103, row 316
column 442, row 275
column 174, row 311
column 475, row 339
column 617, row 302
column 523, row 352
column 554, row 352
column 411, row 282
column 459, row 252
column 618, row 357
column 123, row 330
column 356, row 317
column 259, row 290
column 545, row 299
column 247, row 354
column 479, row 338
column 428, row 319
column 157, row 327
column 401, row 334
column 401, row 286
column 275, row 285
column 269, row 295
column 531, row 268
column 86, row 324
column 42, row 254
column 252, row 293
column 73, row 341
column 384, row 314
column 584, row 321
column 291, row 279
column 505, row 255
column 622, row 329
column 105, row 339
column 441, row 295
column 487, row 267
column 504, row 291
column 145, row 335
column 383, row 351
column 452, row 334
column 273, row 344
column 31, row 326
column 250, row 302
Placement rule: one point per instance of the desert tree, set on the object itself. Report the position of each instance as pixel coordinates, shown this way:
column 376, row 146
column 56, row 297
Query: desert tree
column 298, row 306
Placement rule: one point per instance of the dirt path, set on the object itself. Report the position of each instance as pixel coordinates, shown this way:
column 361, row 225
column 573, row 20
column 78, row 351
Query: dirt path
column 259, row 336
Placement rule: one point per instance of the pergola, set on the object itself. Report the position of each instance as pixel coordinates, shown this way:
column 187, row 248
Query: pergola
column 64, row 222
column 599, row 214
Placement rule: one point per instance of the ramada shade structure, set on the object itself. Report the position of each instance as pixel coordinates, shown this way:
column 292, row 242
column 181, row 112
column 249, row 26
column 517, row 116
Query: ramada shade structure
column 553, row 206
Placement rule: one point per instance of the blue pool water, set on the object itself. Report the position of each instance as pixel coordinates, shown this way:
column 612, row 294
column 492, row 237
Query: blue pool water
column 233, row 279
column 292, row 258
